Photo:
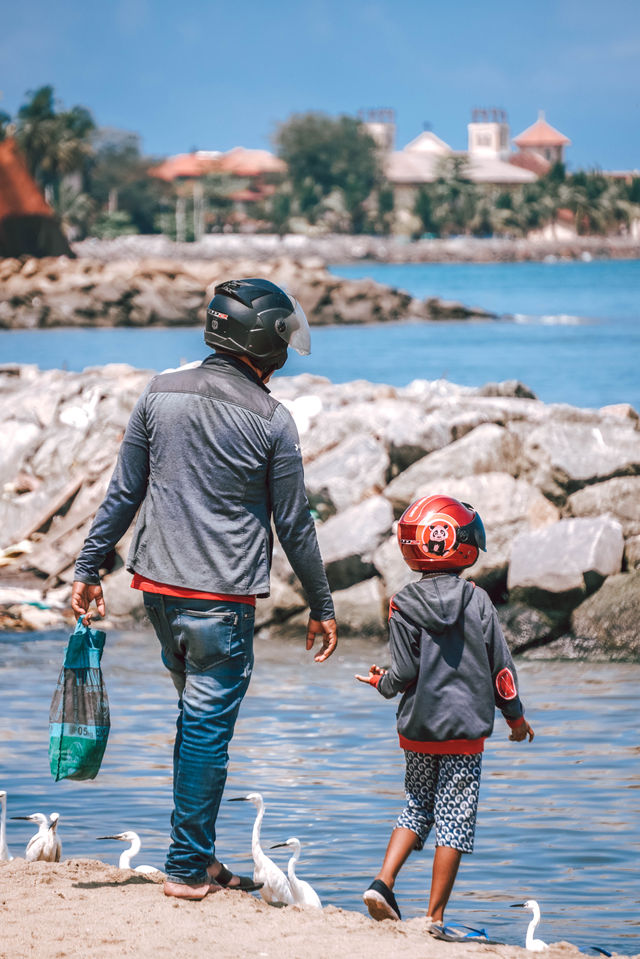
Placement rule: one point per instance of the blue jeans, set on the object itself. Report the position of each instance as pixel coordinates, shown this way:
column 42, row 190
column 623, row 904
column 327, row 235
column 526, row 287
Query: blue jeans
column 208, row 648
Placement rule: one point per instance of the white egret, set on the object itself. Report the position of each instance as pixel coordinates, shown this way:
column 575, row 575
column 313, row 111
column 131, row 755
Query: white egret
column 46, row 845
column 125, row 857
column 5, row 855
column 533, row 945
column 303, row 893
column 276, row 889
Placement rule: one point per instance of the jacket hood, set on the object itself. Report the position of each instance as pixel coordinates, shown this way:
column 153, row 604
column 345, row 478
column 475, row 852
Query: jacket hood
column 435, row 602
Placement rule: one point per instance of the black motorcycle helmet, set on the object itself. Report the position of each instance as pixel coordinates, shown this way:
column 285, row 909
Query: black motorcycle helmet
column 254, row 317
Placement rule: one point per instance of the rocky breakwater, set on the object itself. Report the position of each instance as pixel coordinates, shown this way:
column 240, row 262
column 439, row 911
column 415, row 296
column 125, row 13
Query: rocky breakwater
column 59, row 291
column 558, row 489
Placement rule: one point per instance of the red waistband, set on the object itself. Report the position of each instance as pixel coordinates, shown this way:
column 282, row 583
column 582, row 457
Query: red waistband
column 181, row 592
column 451, row 747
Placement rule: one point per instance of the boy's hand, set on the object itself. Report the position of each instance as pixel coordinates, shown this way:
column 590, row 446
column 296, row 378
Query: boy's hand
column 521, row 732
column 375, row 672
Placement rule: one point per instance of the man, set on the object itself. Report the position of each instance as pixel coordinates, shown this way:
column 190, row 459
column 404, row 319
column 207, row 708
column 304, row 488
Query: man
column 210, row 457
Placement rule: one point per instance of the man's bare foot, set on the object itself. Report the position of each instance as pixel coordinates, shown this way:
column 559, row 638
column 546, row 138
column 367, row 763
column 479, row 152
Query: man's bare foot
column 183, row 890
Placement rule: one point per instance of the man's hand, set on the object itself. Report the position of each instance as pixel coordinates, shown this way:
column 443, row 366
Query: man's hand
column 328, row 629
column 82, row 595
column 521, row 732
column 373, row 672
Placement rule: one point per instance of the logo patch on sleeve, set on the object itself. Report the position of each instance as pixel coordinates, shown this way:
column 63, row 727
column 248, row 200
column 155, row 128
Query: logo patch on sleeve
column 505, row 684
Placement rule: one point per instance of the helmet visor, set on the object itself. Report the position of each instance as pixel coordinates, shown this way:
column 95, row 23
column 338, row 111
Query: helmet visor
column 476, row 530
column 294, row 329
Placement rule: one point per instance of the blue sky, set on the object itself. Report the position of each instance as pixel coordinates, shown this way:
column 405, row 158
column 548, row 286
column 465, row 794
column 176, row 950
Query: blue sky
column 213, row 74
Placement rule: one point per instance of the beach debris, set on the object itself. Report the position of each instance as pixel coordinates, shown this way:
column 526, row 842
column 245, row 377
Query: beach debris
column 135, row 846
column 303, row 893
column 533, row 945
column 46, row 845
column 5, row 855
column 276, row 889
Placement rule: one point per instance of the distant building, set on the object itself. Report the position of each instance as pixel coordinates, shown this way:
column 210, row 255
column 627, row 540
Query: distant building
column 27, row 222
column 380, row 124
column 488, row 134
column 543, row 140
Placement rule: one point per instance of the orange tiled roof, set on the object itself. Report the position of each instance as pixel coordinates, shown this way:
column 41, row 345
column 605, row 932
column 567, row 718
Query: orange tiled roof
column 243, row 162
column 19, row 193
column 531, row 161
column 541, row 134
column 185, row 165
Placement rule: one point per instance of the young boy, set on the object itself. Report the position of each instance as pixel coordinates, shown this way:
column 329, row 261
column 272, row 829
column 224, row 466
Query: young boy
column 452, row 664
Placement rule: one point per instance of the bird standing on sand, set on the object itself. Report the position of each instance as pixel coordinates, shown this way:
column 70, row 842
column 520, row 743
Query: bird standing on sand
column 276, row 889
column 5, row 855
column 125, row 857
column 533, row 945
column 303, row 893
column 46, row 845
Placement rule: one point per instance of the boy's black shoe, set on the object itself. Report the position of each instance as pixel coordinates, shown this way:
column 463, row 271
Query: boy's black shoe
column 381, row 902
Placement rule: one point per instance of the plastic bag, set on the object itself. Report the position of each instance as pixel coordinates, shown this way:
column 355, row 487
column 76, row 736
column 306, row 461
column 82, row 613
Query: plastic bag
column 79, row 715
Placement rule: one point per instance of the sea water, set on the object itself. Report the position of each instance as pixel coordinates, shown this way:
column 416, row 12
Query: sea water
column 569, row 330
column 559, row 818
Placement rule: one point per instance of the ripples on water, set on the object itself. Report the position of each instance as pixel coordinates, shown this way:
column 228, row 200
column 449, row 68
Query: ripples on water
column 558, row 818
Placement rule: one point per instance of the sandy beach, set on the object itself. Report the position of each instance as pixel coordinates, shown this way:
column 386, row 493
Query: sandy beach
column 84, row 909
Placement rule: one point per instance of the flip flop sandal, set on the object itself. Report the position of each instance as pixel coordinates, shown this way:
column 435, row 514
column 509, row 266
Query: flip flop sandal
column 457, row 932
column 380, row 901
column 246, row 884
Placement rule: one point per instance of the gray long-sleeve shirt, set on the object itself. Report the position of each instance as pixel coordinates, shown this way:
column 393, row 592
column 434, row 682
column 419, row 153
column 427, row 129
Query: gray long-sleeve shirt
column 209, row 457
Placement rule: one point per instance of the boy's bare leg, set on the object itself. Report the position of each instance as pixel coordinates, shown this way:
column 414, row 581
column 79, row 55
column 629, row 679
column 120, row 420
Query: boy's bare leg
column 401, row 842
column 445, row 869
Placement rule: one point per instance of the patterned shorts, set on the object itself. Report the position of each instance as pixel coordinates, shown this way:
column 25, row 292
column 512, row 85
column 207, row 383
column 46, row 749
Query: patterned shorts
column 442, row 789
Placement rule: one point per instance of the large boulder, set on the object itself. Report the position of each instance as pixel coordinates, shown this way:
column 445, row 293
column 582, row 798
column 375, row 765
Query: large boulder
column 347, row 474
column 360, row 610
column 554, row 568
column 610, row 618
column 489, row 448
column 619, row 497
column 565, row 454
column 348, row 541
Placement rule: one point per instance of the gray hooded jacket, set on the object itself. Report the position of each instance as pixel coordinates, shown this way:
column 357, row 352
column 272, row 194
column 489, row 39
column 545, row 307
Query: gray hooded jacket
column 451, row 661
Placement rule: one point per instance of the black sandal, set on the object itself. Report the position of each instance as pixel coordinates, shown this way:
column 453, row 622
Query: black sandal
column 246, row 883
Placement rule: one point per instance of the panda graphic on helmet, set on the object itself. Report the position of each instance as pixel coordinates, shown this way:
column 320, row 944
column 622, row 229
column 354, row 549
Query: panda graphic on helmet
column 437, row 542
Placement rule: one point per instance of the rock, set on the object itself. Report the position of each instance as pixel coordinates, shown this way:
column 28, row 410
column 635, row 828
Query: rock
column 389, row 563
column 18, row 441
column 568, row 455
column 623, row 411
column 632, row 552
column 606, row 624
column 507, row 388
column 121, row 601
column 346, row 475
column 525, row 627
column 489, row 448
column 360, row 610
column 619, row 497
column 554, row 568
column 349, row 540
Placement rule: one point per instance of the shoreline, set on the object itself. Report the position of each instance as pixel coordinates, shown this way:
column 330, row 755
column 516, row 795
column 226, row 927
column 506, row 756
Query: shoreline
column 77, row 908
column 342, row 248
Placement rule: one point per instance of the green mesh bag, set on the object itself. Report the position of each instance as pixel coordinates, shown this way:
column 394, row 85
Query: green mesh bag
column 79, row 715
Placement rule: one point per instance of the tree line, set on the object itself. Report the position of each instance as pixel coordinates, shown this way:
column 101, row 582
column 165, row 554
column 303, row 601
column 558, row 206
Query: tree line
column 98, row 181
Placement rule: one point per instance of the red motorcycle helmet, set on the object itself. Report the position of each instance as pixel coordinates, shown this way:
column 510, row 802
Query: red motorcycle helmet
column 440, row 532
